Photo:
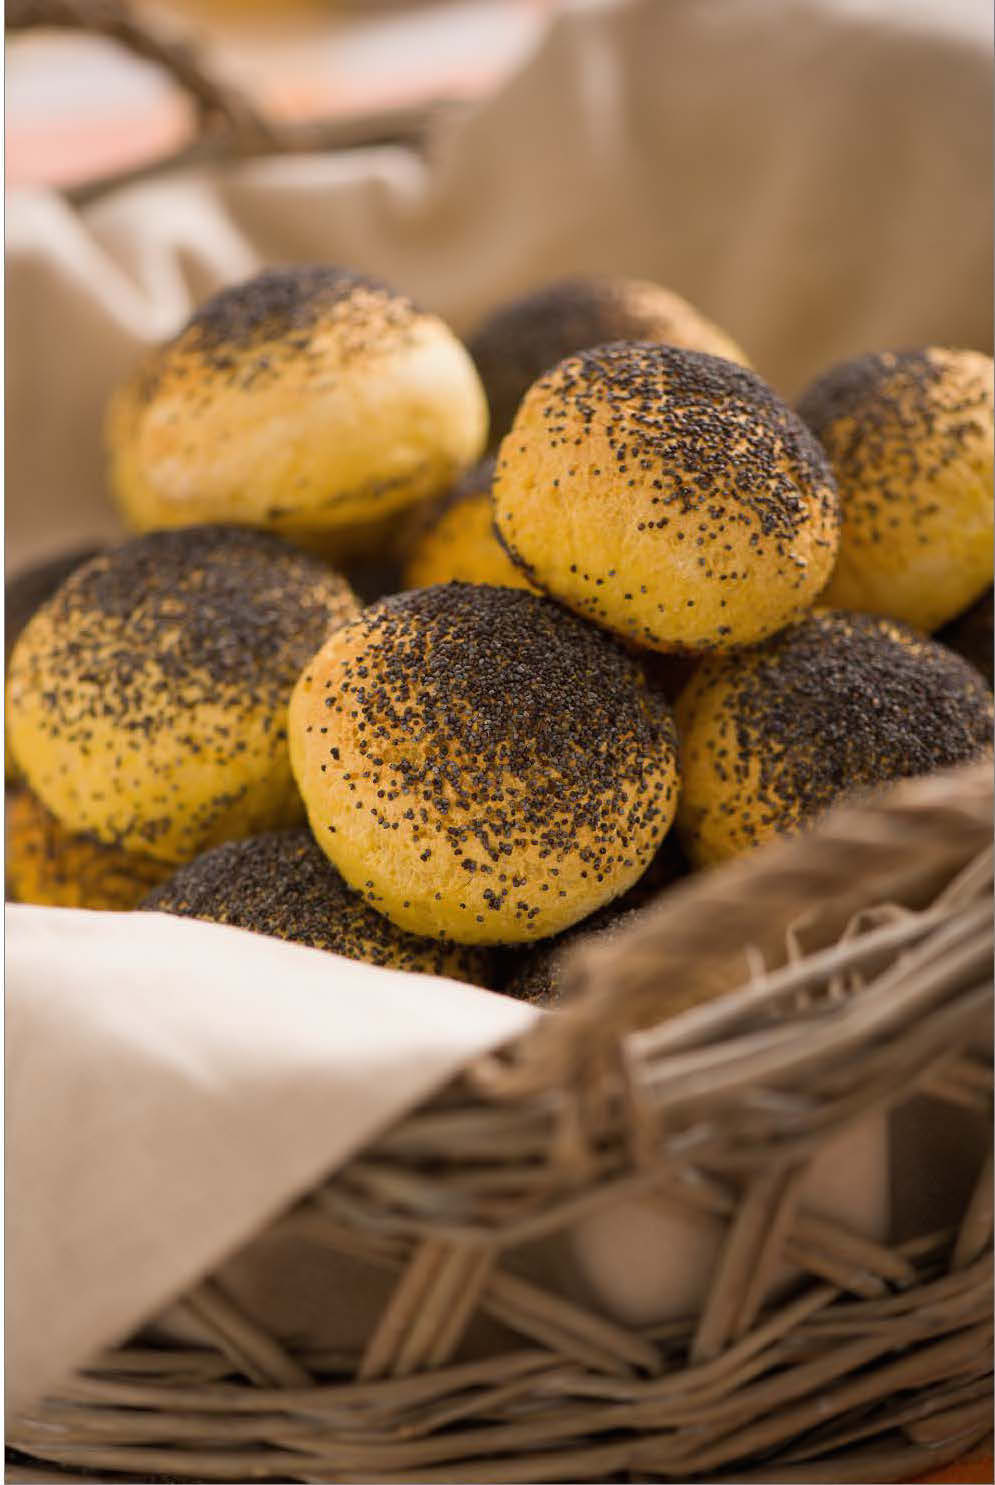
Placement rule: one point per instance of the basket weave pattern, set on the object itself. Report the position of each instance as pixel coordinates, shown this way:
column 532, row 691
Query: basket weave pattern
column 858, row 962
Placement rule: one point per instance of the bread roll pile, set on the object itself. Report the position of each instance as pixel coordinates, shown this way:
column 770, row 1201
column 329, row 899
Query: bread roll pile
column 666, row 619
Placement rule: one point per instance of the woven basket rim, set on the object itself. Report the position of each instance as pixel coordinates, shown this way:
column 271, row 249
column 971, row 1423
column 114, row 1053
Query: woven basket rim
column 877, row 1368
column 882, row 845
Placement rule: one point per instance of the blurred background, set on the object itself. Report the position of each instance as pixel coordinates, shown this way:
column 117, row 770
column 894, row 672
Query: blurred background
column 80, row 106
column 815, row 176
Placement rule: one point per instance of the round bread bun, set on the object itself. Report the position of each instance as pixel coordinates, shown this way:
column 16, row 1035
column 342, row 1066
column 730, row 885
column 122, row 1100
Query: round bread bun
column 481, row 765
column 835, row 705
column 147, row 699
column 281, row 884
column 529, row 335
column 667, row 495
column 456, row 542
column 972, row 635
column 49, row 865
column 910, row 439
column 308, row 401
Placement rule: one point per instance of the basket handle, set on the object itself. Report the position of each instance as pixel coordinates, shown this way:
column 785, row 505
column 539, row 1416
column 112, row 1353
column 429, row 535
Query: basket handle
column 215, row 101
column 230, row 126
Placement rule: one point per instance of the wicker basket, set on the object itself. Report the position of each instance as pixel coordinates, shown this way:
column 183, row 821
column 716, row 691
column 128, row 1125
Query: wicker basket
column 857, row 966
column 858, row 961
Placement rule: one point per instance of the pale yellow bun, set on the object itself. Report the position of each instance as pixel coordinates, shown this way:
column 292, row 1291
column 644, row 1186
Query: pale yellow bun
column 836, row 704
column 668, row 495
column 49, row 865
column 481, row 765
column 307, row 401
column 910, row 439
column 529, row 335
column 146, row 702
column 455, row 542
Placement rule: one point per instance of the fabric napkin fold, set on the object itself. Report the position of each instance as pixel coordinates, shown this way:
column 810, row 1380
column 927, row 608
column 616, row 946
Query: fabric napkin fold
column 171, row 1085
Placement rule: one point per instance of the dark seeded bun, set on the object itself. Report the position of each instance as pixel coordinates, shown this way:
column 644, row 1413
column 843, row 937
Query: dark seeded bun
column 309, row 401
column 667, row 495
column 147, row 699
column 528, row 336
column 910, row 439
column 480, row 764
column 772, row 737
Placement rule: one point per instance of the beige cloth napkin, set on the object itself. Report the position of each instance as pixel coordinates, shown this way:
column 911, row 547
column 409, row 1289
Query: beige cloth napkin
column 171, row 1085
column 815, row 176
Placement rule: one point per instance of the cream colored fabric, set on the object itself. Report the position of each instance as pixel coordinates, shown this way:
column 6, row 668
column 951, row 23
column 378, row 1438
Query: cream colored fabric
column 173, row 1084
column 815, row 177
